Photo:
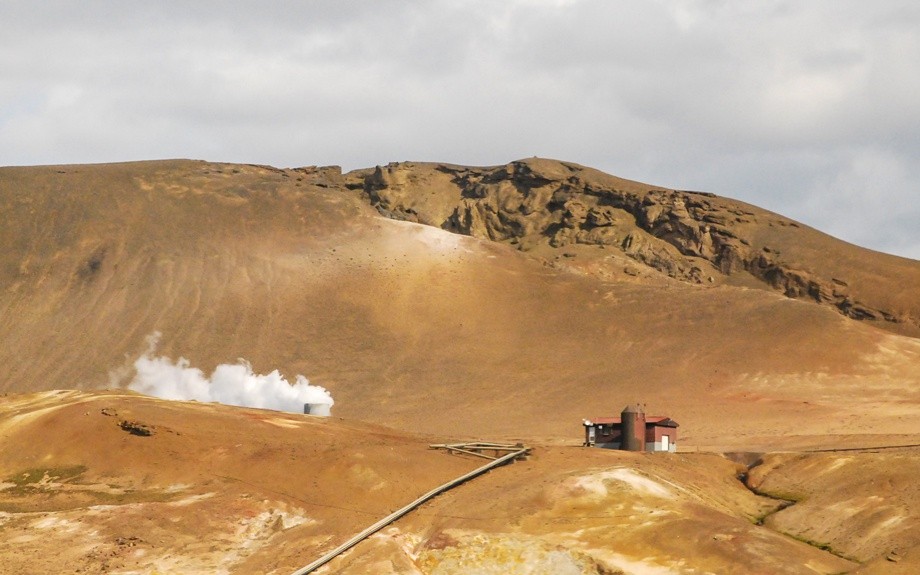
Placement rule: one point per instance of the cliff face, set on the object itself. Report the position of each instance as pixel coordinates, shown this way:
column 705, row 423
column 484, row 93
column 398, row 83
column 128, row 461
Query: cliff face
column 692, row 237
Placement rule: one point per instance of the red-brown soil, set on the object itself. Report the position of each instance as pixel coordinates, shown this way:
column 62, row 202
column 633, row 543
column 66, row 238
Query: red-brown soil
column 573, row 294
column 217, row 489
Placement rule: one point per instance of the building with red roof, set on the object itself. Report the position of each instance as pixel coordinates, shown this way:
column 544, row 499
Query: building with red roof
column 632, row 431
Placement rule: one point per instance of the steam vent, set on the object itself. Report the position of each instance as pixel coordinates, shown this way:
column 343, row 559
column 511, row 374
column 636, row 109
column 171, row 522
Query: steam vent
column 632, row 431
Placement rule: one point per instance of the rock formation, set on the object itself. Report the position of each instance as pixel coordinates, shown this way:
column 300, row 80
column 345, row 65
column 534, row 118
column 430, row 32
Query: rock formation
column 692, row 237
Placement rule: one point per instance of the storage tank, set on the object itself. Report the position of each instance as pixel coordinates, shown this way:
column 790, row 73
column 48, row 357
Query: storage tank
column 632, row 419
column 320, row 409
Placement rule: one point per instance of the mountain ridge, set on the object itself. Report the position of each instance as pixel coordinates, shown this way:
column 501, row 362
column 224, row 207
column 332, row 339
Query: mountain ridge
column 436, row 332
column 529, row 202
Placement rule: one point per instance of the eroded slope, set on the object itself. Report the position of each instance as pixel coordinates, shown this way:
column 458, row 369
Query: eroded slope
column 215, row 489
column 858, row 503
column 211, row 489
column 693, row 237
column 431, row 331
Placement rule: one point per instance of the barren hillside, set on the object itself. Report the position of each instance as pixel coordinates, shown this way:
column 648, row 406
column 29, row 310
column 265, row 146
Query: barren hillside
column 117, row 483
column 574, row 293
column 447, row 302
column 695, row 237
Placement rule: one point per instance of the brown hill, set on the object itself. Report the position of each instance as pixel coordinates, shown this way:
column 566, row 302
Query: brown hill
column 595, row 292
column 215, row 489
column 694, row 237
column 551, row 292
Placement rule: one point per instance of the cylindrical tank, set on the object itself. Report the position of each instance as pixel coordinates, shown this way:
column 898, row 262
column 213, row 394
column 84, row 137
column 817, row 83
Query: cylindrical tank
column 633, row 428
column 320, row 409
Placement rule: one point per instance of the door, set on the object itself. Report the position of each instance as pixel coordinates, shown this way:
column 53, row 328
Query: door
column 591, row 435
column 665, row 443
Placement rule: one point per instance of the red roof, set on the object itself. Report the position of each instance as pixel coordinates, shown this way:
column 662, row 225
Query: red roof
column 657, row 419
column 605, row 420
column 654, row 419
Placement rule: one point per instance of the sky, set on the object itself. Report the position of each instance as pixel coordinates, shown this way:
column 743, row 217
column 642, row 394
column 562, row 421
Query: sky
column 807, row 108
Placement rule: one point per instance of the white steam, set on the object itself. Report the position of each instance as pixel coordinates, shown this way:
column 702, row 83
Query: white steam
column 231, row 384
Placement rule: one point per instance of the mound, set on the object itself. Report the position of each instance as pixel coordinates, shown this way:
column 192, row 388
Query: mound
column 119, row 482
column 113, row 482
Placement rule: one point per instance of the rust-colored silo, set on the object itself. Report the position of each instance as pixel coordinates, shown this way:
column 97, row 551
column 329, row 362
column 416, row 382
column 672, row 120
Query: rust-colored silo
column 633, row 426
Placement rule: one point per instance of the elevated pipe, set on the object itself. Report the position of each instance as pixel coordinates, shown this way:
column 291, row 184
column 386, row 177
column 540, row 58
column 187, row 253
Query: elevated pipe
column 405, row 510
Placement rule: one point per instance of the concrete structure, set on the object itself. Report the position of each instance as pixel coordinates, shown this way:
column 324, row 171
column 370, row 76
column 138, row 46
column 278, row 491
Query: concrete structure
column 320, row 409
column 632, row 431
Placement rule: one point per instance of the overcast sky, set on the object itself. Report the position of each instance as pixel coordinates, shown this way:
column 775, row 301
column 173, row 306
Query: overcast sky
column 807, row 108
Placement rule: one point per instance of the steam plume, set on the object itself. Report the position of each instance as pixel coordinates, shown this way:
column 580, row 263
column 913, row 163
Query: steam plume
column 231, row 384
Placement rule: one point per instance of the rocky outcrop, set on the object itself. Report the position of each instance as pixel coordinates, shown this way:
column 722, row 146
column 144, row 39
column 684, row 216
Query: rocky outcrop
column 136, row 428
column 684, row 235
column 800, row 284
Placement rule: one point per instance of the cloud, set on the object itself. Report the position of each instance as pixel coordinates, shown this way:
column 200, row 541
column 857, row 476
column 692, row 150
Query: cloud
column 778, row 103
